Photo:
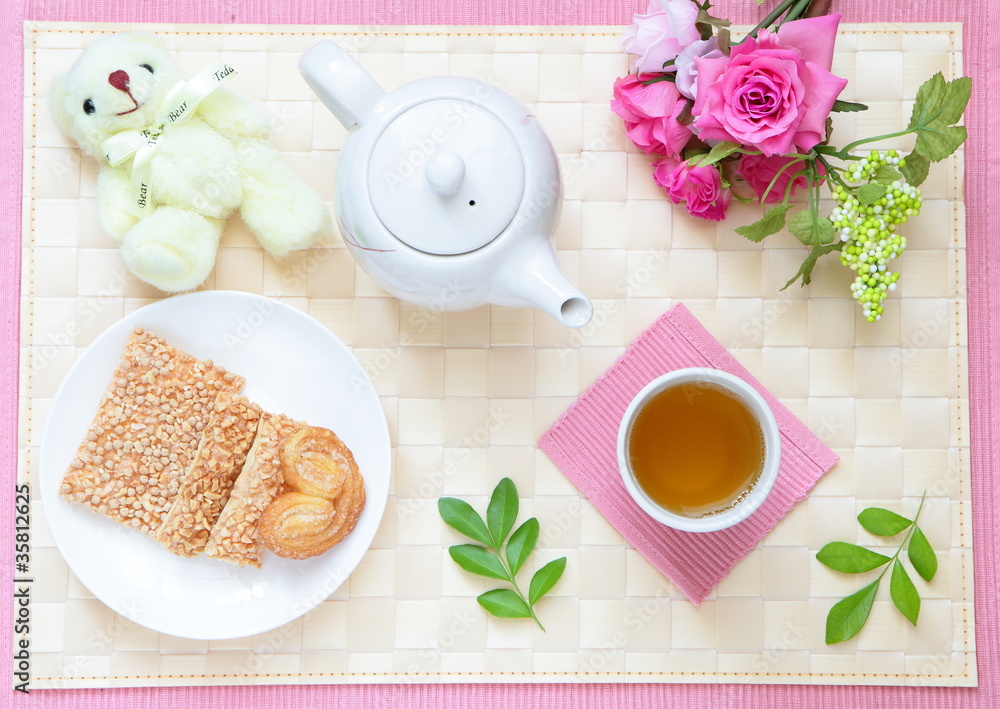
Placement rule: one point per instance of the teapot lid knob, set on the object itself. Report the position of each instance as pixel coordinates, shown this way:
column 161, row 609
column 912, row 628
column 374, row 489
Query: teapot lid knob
column 445, row 171
column 446, row 176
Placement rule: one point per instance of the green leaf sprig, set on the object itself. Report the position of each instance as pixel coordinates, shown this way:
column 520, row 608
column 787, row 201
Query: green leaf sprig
column 500, row 557
column 850, row 614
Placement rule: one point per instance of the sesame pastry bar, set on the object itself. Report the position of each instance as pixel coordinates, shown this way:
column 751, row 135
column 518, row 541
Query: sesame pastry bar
column 235, row 537
column 146, row 432
column 206, row 484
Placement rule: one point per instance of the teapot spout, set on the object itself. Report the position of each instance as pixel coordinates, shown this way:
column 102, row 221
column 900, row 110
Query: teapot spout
column 540, row 283
column 341, row 83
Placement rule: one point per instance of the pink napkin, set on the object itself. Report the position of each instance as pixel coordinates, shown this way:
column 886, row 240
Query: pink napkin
column 583, row 445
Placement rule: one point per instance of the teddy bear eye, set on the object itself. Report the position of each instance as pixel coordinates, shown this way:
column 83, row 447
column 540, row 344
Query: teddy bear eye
column 147, row 67
column 88, row 107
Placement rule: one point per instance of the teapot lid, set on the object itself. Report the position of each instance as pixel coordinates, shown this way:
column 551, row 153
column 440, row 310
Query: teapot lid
column 446, row 176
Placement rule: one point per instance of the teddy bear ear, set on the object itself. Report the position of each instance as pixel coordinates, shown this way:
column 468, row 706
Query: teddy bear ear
column 57, row 103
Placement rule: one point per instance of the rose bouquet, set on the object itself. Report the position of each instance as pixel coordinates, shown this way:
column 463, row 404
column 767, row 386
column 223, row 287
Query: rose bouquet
column 750, row 121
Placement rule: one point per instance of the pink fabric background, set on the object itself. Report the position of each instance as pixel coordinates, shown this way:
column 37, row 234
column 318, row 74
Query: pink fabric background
column 982, row 37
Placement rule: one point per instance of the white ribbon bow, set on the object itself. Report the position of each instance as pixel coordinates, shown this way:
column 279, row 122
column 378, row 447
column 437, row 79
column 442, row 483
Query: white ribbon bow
column 177, row 107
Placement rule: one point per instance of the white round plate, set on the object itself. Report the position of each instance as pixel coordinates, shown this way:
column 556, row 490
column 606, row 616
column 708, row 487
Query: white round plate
column 292, row 365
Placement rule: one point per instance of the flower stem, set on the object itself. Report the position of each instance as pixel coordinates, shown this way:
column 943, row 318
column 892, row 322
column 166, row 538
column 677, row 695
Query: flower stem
column 796, row 12
column 772, row 16
column 843, row 154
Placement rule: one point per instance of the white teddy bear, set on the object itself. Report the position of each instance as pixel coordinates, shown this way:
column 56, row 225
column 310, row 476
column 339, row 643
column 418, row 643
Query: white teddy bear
column 200, row 170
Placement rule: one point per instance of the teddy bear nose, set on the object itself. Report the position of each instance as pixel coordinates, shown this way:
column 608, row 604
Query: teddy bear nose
column 119, row 79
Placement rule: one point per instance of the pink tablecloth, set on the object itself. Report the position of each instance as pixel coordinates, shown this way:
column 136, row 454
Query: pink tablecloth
column 981, row 37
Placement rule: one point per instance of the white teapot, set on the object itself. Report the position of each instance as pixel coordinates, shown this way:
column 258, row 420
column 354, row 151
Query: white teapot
column 447, row 190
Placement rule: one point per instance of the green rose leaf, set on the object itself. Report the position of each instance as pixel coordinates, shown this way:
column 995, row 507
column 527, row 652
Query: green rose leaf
column 478, row 560
column 848, row 106
column 938, row 142
column 849, row 615
column 718, row 152
column 850, row 558
column 772, row 222
column 502, row 511
column 904, row 593
column 811, row 229
column 882, row 522
column 939, row 105
column 521, row 544
column 871, row 193
column 916, row 168
column 504, row 603
column 545, row 578
column 921, row 555
column 928, row 102
column 956, row 97
column 459, row 515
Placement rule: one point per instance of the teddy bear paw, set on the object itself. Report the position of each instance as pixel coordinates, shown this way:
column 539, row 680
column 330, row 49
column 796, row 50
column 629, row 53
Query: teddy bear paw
column 172, row 249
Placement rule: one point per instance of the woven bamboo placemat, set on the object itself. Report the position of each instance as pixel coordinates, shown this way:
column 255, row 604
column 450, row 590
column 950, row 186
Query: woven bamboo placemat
column 468, row 394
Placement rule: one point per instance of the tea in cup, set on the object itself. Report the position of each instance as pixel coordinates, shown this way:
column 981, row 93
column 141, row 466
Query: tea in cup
column 698, row 449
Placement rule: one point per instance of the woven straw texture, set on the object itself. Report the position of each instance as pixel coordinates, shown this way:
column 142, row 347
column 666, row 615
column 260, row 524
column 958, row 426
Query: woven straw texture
column 468, row 394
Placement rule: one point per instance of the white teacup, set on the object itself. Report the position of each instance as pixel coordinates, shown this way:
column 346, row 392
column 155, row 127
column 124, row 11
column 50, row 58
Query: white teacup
column 759, row 490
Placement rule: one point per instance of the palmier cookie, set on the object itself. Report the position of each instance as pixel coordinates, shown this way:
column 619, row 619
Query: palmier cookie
column 316, row 462
column 298, row 526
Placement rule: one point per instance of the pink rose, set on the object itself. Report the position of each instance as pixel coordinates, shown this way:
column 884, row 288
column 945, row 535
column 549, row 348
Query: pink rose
column 699, row 187
column 658, row 36
column 759, row 171
column 774, row 92
column 650, row 113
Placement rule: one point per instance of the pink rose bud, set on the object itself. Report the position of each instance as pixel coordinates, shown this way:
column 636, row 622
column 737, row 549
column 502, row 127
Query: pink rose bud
column 700, row 188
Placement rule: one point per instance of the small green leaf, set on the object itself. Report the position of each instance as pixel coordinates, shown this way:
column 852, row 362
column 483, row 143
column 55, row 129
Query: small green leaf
column 718, row 152
column 871, row 193
column 659, row 78
column 882, row 522
column 504, row 603
column 805, row 270
column 772, row 222
column 916, row 168
column 904, row 593
column 848, row 106
column 849, row 615
column 811, row 229
column 921, row 555
column 478, row 560
column 545, row 578
column 459, row 515
column 502, row 510
column 850, row 558
column 521, row 544
column 886, row 175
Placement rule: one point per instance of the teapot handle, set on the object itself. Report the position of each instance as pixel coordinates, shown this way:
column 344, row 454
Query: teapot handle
column 341, row 83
